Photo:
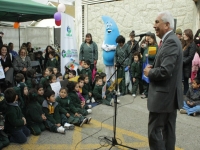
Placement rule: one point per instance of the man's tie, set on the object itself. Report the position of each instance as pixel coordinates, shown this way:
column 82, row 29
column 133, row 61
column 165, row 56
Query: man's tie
column 160, row 44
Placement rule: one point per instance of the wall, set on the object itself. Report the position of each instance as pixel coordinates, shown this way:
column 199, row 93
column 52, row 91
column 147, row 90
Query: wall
column 138, row 15
column 39, row 37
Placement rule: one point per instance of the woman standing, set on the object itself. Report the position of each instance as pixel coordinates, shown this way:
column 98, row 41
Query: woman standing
column 6, row 62
column 152, row 43
column 89, row 51
column 132, row 43
column 22, row 63
column 189, row 49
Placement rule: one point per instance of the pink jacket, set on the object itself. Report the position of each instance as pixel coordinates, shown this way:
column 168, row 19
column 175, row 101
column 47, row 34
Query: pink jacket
column 195, row 66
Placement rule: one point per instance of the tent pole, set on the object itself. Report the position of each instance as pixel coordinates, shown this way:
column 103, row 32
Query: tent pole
column 19, row 36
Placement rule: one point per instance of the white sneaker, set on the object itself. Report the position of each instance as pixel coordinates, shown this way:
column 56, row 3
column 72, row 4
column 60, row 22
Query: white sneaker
column 112, row 102
column 93, row 101
column 89, row 111
column 61, row 130
column 88, row 101
column 84, row 121
column 133, row 95
column 88, row 120
column 89, row 106
column 69, row 126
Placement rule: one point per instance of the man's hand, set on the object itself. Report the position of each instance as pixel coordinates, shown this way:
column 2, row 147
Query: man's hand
column 6, row 69
column 67, row 114
column 58, row 125
column 147, row 69
column 24, row 120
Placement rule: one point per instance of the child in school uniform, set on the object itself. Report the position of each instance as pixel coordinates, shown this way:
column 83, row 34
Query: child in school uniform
column 45, row 80
column 4, row 141
column 56, row 116
column 79, row 106
column 192, row 104
column 87, row 90
column 72, row 74
column 31, row 81
column 97, row 93
column 24, row 95
column 66, row 103
column 66, row 75
column 52, row 61
column 136, row 74
column 59, row 76
column 40, row 92
column 19, row 78
column 86, row 70
column 15, row 123
column 81, row 66
column 34, row 114
column 55, row 70
column 94, row 82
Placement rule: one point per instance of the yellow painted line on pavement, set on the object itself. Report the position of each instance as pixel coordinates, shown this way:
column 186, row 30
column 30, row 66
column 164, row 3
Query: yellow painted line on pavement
column 77, row 136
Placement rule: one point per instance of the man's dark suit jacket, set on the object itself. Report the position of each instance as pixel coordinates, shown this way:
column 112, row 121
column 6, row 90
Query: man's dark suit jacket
column 165, row 87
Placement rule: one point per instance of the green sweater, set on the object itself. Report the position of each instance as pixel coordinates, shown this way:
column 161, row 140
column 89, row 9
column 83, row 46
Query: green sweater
column 97, row 92
column 150, row 57
column 52, row 63
column 34, row 113
column 13, row 118
column 64, row 103
column 87, row 72
column 55, row 117
column 45, row 82
column 136, row 70
column 40, row 99
column 88, row 52
column 76, row 102
column 86, row 89
column 121, row 54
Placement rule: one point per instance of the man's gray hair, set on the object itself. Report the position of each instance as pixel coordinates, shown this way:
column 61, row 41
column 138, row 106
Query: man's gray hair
column 166, row 16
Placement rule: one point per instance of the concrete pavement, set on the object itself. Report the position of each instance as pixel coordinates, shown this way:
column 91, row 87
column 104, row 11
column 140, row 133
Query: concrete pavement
column 132, row 120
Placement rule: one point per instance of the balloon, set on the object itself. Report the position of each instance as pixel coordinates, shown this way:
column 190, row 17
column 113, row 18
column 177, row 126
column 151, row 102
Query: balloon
column 57, row 16
column 58, row 23
column 16, row 25
column 61, row 7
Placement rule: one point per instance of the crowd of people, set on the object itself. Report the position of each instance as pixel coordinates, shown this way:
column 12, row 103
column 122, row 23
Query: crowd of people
column 28, row 104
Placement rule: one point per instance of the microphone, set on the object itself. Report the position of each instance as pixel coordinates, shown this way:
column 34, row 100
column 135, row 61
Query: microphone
column 144, row 34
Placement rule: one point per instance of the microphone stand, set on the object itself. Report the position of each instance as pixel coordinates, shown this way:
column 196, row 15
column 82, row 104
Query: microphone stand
column 114, row 140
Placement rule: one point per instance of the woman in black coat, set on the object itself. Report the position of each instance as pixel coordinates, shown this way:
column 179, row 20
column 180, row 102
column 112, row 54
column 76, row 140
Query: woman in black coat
column 6, row 62
column 189, row 49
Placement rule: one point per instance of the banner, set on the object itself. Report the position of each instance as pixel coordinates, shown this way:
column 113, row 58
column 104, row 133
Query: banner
column 69, row 53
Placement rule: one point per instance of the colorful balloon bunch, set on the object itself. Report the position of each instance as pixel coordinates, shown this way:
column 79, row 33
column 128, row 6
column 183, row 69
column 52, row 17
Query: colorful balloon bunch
column 57, row 15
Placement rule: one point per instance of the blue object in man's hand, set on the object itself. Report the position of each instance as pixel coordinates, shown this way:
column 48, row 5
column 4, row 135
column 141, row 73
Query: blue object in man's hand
column 126, row 69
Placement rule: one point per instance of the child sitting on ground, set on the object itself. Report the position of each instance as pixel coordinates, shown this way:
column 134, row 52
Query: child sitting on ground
column 40, row 92
column 14, row 119
column 65, row 102
column 55, row 70
column 55, row 114
column 72, row 74
column 97, row 93
column 52, row 61
column 136, row 74
column 4, row 141
column 87, row 71
column 87, row 90
column 79, row 107
column 59, row 76
column 34, row 114
column 192, row 104
column 66, row 75
column 44, row 80
column 81, row 84
column 31, row 81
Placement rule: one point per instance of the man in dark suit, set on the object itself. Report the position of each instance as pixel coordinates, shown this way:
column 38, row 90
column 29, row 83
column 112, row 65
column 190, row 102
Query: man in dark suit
column 1, row 36
column 165, row 88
